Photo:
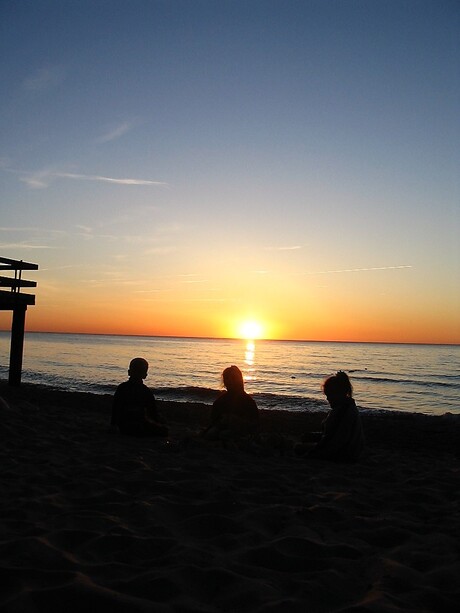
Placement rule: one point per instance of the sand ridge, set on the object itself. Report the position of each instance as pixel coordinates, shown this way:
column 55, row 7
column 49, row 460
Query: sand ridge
column 91, row 519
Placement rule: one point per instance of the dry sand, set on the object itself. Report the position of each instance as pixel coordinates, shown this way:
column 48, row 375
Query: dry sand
column 91, row 520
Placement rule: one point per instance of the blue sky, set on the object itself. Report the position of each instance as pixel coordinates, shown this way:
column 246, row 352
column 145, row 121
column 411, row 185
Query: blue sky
column 228, row 153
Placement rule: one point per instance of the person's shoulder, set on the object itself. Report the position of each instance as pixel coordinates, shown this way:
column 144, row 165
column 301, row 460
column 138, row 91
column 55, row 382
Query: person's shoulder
column 122, row 386
column 351, row 405
column 355, row 411
column 250, row 403
column 146, row 389
column 221, row 397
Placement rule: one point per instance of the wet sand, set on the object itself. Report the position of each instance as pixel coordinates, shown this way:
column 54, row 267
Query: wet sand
column 90, row 519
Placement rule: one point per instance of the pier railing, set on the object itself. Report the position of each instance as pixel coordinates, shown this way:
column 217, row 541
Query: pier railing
column 13, row 299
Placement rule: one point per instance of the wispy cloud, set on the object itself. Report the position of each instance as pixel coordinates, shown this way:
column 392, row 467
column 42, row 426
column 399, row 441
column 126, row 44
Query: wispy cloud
column 334, row 272
column 81, row 231
column 37, row 180
column 115, row 133
column 35, row 237
column 88, row 233
column 42, row 179
column 44, row 78
column 65, row 267
column 186, row 300
column 24, row 245
column 35, row 230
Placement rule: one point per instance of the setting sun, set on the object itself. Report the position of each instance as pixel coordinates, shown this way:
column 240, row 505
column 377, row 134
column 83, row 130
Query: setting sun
column 250, row 330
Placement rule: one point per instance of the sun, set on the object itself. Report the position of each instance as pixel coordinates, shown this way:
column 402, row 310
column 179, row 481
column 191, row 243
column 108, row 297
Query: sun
column 250, row 330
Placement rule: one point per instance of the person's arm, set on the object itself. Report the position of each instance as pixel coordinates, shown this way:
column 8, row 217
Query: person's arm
column 217, row 411
column 151, row 410
column 326, row 444
column 331, row 424
column 251, row 413
column 343, row 439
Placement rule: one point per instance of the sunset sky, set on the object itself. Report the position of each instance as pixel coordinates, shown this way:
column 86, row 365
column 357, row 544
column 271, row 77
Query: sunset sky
column 185, row 167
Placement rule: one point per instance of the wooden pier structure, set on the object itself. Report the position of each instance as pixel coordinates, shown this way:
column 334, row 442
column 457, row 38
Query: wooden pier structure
column 14, row 300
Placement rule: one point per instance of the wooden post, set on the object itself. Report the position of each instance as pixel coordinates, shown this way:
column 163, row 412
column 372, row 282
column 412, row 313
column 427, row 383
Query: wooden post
column 17, row 344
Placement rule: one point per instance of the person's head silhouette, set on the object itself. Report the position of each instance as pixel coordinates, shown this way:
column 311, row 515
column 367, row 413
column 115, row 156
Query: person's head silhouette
column 233, row 379
column 138, row 368
column 337, row 388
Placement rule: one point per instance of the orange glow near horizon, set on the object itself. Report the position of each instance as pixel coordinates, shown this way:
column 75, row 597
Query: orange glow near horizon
column 199, row 326
column 323, row 319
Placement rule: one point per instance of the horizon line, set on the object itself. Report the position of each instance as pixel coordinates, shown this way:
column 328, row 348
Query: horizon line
column 237, row 338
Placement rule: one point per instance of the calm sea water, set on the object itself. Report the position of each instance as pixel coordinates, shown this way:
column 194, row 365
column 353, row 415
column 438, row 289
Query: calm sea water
column 279, row 374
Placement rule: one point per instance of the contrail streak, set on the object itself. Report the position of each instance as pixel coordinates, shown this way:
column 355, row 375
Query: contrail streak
column 334, row 272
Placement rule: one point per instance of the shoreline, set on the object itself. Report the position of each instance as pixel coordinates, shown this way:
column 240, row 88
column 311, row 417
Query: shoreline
column 285, row 420
column 309, row 404
column 90, row 519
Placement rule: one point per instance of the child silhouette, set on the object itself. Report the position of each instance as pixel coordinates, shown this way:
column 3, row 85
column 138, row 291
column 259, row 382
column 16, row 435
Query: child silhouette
column 134, row 409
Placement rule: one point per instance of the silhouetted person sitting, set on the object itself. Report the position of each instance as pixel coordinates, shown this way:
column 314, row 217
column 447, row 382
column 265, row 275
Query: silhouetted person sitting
column 134, row 409
column 234, row 413
column 342, row 438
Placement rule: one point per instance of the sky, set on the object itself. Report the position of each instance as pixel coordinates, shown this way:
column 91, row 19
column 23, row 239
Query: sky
column 185, row 167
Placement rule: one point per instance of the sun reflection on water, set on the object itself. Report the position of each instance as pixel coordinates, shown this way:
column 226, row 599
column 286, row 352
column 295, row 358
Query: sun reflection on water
column 249, row 361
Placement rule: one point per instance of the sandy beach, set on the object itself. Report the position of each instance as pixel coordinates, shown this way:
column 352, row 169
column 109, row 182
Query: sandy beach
column 90, row 519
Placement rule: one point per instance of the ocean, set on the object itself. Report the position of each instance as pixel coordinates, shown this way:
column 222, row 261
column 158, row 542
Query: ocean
column 279, row 374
